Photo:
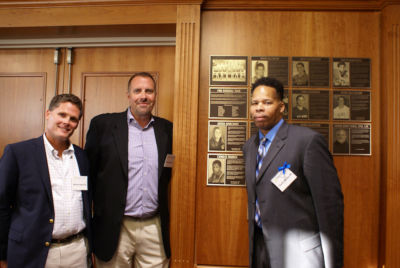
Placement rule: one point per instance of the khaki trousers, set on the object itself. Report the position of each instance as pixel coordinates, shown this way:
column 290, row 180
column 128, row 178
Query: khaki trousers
column 140, row 245
column 69, row 255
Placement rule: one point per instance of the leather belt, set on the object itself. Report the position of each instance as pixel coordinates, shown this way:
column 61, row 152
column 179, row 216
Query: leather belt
column 67, row 239
column 142, row 218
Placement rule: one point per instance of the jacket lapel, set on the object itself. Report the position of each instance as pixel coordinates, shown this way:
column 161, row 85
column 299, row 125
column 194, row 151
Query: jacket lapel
column 41, row 161
column 120, row 134
column 83, row 171
column 161, row 143
column 277, row 144
column 253, row 151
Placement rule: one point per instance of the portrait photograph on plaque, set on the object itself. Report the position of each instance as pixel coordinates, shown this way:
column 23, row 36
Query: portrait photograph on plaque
column 341, row 74
column 216, row 169
column 228, row 136
column 341, row 107
column 300, row 105
column 341, row 144
column 225, row 170
column 259, row 69
column 228, row 71
column 276, row 67
column 351, row 72
column 231, row 103
column 310, row 72
column 351, row 139
column 216, row 136
column 352, row 105
column 310, row 105
column 300, row 73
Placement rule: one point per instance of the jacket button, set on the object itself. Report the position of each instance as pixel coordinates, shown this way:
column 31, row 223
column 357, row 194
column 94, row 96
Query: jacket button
column 51, row 220
column 47, row 244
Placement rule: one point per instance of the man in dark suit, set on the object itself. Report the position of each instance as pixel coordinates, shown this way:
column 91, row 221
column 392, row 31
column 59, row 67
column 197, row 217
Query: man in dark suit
column 45, row 205
column 127, row 153
column 295, row 202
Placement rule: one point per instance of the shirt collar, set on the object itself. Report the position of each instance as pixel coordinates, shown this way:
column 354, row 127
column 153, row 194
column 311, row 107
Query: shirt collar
column 132, row 120
column 272, row 133
column 70, row 150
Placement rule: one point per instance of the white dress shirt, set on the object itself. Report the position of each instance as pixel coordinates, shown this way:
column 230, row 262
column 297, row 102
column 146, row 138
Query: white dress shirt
column 68, row 205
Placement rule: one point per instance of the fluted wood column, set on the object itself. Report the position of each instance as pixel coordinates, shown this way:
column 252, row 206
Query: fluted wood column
column 185, row 135
column 390, row 126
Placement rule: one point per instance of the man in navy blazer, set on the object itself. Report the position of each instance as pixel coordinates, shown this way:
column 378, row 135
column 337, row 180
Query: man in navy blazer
column 44, row 199
column 295, row 202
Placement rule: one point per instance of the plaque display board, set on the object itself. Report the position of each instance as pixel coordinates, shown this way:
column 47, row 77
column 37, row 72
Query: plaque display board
column 225, row 170
column 344, row 121
column 226, row 136
column 310, row 105
column 351, row 139
column 228, row 70
column 323, row 129
column 277, row 67
column 352, row 105
column 310, row 72
column 351, row 72
column 228, row 103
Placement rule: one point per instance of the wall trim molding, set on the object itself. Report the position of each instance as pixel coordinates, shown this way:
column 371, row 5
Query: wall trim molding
column 64, row 3
column 87, row 42
column 299, row 5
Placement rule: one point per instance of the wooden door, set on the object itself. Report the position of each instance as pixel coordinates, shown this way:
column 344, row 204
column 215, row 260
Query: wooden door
column 27, row 78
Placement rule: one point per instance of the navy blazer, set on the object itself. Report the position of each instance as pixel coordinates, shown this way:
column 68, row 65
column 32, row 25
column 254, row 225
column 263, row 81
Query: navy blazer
column 302, row 226
column 107, row 149
column 26, row 203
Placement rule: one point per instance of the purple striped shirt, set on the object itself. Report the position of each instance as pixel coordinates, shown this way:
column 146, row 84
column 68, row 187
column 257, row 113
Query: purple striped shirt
column 142, row 196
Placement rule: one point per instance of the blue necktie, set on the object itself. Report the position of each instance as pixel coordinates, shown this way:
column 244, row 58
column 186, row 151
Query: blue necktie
column 260, row 157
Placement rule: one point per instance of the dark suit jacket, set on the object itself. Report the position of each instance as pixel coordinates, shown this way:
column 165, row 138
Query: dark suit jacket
column 26, row 203
column 302, row 226
column 107, row 148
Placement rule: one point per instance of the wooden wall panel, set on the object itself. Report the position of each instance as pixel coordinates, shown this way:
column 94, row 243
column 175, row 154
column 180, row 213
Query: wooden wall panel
column 111, row 97
column 221, row 229
column 391, row 128
column 342, row 5
column 21, row 107
column 87, row 15
column 183, row 185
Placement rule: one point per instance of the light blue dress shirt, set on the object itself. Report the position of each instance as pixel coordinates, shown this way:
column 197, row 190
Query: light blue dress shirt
column 270, row 135
column 142, row 195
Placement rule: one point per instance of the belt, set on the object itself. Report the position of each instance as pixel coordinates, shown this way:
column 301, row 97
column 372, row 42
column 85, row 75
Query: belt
column 67, row 239
column 142, row 218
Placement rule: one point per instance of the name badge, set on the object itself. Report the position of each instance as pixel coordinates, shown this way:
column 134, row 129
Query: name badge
column 80, row 183
column 283, row 180
column 169, row 161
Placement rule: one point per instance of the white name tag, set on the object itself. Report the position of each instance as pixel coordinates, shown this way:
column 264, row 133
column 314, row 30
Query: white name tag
column 169, row 160
column 283, row 181
column 80, row 183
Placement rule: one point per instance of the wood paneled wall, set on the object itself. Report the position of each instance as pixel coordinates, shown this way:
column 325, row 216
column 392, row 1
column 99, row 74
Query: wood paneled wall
column 221, row 228
column 390, row 126
column 208, row 225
